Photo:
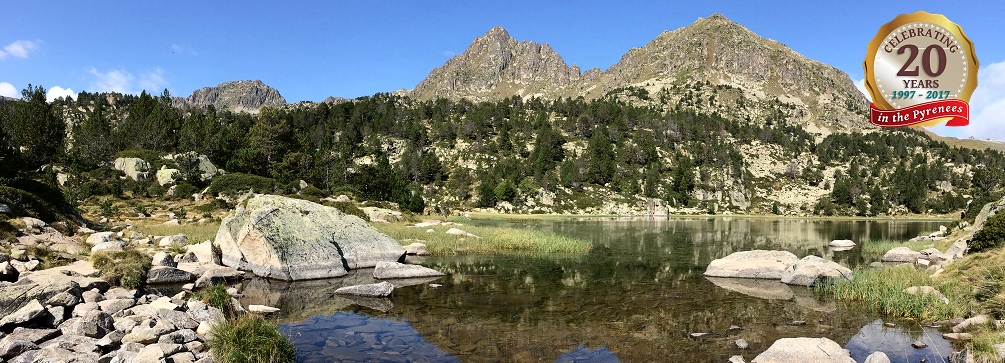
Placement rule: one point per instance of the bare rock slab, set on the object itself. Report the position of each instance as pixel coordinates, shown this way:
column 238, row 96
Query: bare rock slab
column 394, row 270
column 380, row 289
column 756, row 264
column 801, row 350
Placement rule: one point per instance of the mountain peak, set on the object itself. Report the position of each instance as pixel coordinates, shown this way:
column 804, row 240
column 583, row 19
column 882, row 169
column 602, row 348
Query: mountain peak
column 497, row 32
column 237, row 96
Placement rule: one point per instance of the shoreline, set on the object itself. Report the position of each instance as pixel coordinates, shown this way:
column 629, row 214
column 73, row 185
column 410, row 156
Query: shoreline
column 524, row 216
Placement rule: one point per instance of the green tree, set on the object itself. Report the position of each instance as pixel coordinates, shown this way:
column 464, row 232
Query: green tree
column 92, row 140
column 600, row 158
column 505, row 191
column 36, row 129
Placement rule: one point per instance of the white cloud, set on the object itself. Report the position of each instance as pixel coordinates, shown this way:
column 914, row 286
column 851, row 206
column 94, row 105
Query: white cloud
column 7, row 89
column 860, row 84
column 58, row 92
column 987, row 107
column 183, row 49
column 19, row 48
column 123, row 81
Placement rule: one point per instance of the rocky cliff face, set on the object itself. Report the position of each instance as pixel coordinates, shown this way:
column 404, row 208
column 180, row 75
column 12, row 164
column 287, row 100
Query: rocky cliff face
column 237, row 96
column 498, row 66
column 714, row 50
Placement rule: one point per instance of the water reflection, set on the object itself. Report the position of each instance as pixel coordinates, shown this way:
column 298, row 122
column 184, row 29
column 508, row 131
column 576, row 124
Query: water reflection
column 351, row 337
column 636, row 294
column 896, row 343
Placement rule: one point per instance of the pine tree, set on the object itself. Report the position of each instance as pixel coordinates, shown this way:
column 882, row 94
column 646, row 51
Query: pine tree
column 36, row 129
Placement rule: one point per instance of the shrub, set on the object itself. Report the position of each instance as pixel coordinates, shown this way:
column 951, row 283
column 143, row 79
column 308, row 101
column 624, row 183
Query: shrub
column 47, row 258
column 250, row 339
column 213, row 205
column 992, row 235
column 312, row 193
column 184, row 190
column 108, row 209
column 348, row 208
column 233, row 184
column 123, row 268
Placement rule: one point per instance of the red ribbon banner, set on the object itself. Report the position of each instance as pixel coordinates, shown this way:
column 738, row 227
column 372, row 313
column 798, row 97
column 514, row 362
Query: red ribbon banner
column 957, row 109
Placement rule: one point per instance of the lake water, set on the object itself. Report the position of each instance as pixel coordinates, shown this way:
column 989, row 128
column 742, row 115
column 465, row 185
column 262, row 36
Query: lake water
column 635, row 297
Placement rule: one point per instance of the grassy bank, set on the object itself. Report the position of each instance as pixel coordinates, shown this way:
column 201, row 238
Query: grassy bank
column 877, row 249
column 490, row 239
column 196, row 232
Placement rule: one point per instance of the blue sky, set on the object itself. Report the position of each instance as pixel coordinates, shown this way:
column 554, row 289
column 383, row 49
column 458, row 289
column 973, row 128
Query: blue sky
column 312, row 50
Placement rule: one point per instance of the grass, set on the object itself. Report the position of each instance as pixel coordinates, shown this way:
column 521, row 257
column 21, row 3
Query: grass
column 492, row 239
column 47, row 258
column 216, row 296
column 883, row 290
column 123, row 268
column 249, row 339
column 196, row 232
column 878, row 248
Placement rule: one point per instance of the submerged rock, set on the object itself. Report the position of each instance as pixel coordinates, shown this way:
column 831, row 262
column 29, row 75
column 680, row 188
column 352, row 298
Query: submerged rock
column 800, row 350
column 813, row 270
column 293, row 239
column 877, row 357
column 380, row 289
column 758, row 264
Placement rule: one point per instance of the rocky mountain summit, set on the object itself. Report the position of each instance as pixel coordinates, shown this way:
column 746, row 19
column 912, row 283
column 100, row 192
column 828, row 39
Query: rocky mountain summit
column 237, row 96
column 713, row 50
column 497, row 66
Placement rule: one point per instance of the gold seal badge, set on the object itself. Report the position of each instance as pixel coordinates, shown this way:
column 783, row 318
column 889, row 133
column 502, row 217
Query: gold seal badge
column 920, row 70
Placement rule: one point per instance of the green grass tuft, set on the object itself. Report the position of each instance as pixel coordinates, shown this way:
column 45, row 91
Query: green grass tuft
column 216, row 296
column 882, row 289
column 123, row 268
column 250, row 339
column 47, row 258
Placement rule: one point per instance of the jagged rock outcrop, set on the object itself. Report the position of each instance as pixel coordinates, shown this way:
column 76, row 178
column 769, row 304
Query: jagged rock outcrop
column 496, row 66
column 292, row 239
column 237, row 96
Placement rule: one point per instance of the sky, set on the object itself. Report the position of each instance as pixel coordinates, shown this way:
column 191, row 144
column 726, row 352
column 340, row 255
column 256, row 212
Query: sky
column 311, row 50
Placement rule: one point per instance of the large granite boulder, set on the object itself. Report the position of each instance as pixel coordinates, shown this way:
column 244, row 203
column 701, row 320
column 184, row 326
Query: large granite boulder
column 757, row 264
column 813, row 270
column 134, row 168
column 901, row 254
column 292, row 239
column 801, row 350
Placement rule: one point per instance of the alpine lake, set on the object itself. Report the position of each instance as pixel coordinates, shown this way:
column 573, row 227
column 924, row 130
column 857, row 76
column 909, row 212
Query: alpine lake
column 636, row 296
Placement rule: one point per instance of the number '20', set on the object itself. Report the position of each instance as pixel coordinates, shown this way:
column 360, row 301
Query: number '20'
column 926, row 60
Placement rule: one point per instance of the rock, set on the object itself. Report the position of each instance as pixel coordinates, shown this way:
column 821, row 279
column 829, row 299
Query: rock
column 92, row 296
column 108, row 246
column 29, row 311
column 168, row 275
column 262, row 309
column 199, row 161
column 741, row 344
column 762, row 289
column 698, row 336
column 901, row 254
column 164, row 303
column 956, row 250
column 926, row 291
column 101, row 237
column 141, row 335
column 163, row 258
column 113, row 306
column 182, row 357
column 813, row 271
column 842, row 243
column 999, row 351
column 179, row 319
column 167, row 176
column 800, row 350
column 134, row 168
column 179, row 337
column 381, row 289
column 752, row 264
column 460, row 232
column 204, row 328
column 34, row 335
column 11, row 346
column 964, row 356
column 877, row 357
column 965, row 325
column 342, row 198
column 176, row 240
column 33, row 225
column 204, row 253
column 797, row 323
column 919, row 345
column 315, row 241
column 6, row 209
column 737, row 359
column 172, row 222
column 394, row 270
column 94, row 324
column 923, row 263
column 8, row 272
column 218, row 276
column 957, row 336
column 416, row 249
column 56, row 315
column 150, row 354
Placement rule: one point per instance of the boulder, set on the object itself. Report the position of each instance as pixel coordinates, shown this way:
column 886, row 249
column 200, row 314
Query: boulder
column 416, row 249
column 134, row 168
column 970, row 323
column 94, row 324
column 291, row 239
column 218, row 276
column 163, row 258
column 801, row 350
column 842, row 243
column 176, row 240
column 813, row 271
column 758, row 264
column 926, row 290
column 380, row 289
column 168, row 275
column 167, row 176
column 115, row 245
column 963, row 356
column 262, row 309
column 11, row 346
column 29, row 311
column 204, row 253
column 956, row 250
column 197, row 161
column 877, row 357
column 901, row 254
column 101, row 237
column 34, row 335
column 460, row 232
column 395, row 270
